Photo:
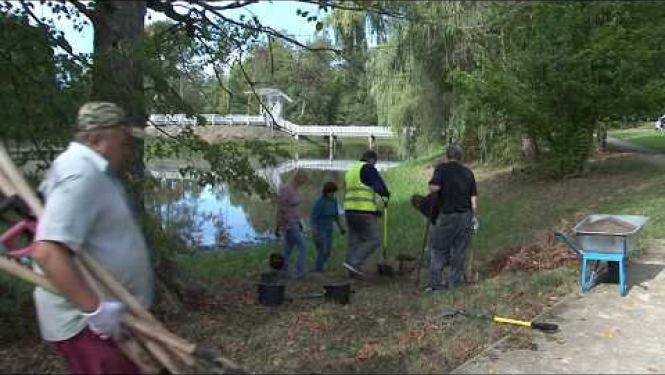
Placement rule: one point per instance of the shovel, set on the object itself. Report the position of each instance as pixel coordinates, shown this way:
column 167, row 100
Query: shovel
column 541, row 326
column 383, row 267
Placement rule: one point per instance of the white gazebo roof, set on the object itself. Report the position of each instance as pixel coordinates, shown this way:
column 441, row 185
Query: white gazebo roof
column 270, row 91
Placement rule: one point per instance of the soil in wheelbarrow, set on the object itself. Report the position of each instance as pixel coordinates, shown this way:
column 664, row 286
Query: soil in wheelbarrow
column 608, row 225
column 533, row 257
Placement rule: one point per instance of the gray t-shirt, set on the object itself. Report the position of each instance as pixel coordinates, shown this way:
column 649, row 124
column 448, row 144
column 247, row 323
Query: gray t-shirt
column 87, row 210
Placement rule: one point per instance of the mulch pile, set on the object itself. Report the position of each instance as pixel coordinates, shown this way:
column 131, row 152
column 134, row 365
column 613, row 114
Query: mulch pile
column 533, row 257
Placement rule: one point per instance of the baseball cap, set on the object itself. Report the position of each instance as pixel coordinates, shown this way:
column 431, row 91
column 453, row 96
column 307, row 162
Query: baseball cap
column 99, row 115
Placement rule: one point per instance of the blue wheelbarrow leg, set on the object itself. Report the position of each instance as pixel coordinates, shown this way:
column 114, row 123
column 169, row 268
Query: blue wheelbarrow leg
column 589, row 277
column 623, row 275
column 585, row 287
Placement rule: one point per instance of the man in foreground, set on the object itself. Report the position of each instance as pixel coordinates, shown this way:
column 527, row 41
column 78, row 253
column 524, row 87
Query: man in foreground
column 455, row 186
column 362, row 185
column 87, row 210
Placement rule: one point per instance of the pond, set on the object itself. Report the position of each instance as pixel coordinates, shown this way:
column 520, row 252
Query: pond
column 218, row 217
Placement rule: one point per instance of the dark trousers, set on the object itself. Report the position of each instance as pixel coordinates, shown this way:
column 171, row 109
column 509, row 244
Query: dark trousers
column 448, row 242
column 364, row 237
column 323, row 242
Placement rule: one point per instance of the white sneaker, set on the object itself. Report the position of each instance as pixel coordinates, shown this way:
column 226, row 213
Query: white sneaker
column 353, row 269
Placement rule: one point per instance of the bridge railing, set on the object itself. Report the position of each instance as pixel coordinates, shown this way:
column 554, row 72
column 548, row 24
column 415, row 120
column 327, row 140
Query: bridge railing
column 285, row 125
column 341, row 131
column 211, row 119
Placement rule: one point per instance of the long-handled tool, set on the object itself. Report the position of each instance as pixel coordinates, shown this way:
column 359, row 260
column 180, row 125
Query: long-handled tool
column 541, row 326
column 426, row 205
column 384, row 268
column 423, row 252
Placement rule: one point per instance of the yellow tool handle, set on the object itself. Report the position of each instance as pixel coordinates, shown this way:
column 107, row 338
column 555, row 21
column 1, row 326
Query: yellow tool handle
column 525, row 323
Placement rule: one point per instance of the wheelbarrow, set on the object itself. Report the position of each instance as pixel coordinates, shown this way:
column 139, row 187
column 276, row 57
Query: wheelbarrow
column 605, row 238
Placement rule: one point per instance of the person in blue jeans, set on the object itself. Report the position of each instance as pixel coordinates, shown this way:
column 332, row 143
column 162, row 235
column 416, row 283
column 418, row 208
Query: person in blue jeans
column 289, row 202
column 325, row 211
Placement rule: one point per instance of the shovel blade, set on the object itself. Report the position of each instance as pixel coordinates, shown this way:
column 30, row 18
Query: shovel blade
column 451, row 312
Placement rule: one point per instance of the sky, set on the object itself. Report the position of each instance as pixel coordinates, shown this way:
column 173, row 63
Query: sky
column 280, row 15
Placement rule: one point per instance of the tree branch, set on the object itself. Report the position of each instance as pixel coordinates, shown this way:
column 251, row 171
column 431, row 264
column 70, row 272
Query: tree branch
column 59, row 42
column 371, row 9
column 259, row 28
column 235, row 5
column 91, row 14
column 168, row 10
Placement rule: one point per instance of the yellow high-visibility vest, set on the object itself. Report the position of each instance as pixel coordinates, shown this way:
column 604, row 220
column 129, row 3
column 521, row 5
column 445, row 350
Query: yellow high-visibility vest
column 358, row 196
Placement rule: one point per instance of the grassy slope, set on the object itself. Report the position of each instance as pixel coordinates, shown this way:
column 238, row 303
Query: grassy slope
column 391, row 327
column 644, row 136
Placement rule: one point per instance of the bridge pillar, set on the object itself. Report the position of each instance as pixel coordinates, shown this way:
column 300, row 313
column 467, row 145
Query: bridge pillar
column 331, row 146
column 372, row 142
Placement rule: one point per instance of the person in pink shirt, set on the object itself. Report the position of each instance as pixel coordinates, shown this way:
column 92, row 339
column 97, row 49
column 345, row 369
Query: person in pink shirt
column 289, row 222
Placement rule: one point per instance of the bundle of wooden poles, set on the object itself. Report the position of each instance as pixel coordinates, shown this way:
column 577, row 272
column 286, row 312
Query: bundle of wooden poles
column 147, row 342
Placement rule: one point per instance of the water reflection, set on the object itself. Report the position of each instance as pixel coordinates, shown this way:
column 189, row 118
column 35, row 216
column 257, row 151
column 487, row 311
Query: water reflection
column 217, row 217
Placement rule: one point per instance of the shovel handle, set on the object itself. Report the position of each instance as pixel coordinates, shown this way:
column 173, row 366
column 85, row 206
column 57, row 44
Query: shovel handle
column 525, row 323
column 540, row 326
column 385, row 231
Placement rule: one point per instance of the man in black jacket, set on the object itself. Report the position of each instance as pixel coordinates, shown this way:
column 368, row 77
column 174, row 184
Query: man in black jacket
column 455, row 186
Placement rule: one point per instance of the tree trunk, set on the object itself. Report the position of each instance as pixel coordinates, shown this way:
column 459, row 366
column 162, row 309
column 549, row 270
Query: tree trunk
column 530, row 149
column 601, row 138
column 117, row 77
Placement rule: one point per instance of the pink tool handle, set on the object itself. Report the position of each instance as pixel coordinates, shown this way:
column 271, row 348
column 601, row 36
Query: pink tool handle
column 12, row 234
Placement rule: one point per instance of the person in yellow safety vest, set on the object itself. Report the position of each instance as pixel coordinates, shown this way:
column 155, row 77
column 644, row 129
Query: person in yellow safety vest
column 362, row 185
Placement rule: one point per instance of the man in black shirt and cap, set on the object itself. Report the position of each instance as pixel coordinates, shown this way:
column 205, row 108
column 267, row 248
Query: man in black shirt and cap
column 455, row 186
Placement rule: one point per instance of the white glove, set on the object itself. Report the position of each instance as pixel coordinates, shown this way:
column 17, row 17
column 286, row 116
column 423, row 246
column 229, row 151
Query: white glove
column 105, row 321
column 474, row 224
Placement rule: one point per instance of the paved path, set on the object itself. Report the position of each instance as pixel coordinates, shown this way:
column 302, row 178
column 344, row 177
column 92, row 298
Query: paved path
column 641, row 152
column 600, row 331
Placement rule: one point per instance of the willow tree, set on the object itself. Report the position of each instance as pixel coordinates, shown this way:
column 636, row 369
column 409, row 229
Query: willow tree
column 410, row 73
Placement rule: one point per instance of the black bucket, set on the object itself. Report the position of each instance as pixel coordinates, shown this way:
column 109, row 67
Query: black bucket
column 338, row 293
column 270, row 294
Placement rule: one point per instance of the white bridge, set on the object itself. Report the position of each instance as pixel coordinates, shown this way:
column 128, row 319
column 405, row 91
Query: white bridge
column 280, row 124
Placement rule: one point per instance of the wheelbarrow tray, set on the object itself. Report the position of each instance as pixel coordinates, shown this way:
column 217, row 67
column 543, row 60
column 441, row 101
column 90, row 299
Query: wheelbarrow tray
column 611, row 241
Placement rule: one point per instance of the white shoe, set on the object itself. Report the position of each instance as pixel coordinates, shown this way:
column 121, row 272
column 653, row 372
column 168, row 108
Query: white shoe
column 353, row 269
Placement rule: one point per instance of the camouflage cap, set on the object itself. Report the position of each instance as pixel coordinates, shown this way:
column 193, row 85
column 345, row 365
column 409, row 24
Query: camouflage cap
column 98, row 115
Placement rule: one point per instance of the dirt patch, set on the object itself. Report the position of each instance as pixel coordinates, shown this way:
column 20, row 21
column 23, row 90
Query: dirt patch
column 608, row 225
column 532, row 258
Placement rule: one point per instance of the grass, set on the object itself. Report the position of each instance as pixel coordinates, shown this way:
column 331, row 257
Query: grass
column 644, row 136
column 390, row 327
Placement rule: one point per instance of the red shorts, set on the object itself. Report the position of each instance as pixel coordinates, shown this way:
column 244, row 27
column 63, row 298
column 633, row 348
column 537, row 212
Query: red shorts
column 87, row 353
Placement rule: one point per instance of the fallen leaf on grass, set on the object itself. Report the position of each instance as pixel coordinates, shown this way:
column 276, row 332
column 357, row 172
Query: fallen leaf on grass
column 368, row 351
column 411, row 337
